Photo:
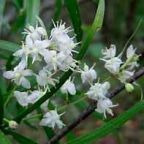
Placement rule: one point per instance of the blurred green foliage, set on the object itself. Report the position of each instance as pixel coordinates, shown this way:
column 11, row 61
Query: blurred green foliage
column 121, row 19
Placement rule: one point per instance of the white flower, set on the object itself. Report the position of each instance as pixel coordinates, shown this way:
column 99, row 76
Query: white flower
column 98, row 90
column 130, row 51
column 109, row 53
column 21, row 98
column 68, row 87
column 18, row 76
column 35, row 33
column 132, row 58
column 105, row 105
column 125, row 75
column 59, row 36
column 44, row 78
column 88, row 75
column 34, row 96
column 34, row 49
column 59, row 30
column 65, row 62
column 25, row 98
column 113, row 65
column 52, row 119
column 51, row 60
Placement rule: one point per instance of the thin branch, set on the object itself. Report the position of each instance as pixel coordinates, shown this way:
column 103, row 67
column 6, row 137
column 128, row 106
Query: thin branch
column 90, row 109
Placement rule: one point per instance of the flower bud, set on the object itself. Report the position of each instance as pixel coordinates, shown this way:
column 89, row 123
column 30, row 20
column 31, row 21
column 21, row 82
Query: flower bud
column 13, row 124
column 129, row 87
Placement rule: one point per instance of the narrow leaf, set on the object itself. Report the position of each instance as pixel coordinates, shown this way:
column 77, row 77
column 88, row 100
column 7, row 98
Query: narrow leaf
column 110, row 126
column 74, row 13
column 8, row 46
column 32, row 11
column 97, row 24
column 3, row 139
column 57, row 12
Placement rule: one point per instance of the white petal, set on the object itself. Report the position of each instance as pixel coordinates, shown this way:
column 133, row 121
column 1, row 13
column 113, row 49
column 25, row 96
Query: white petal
column 27, row 72
column 19, row 53
column 9, row 74
column 130, row 51
column 34, row 96
column 71, row 89
column 29, row 41
column 24, row 82
column 21, row 98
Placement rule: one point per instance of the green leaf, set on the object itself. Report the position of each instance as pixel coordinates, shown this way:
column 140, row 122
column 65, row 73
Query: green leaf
column 18, row 3
column 97, row 24
column 8, row 46
column 110, row 126
column 20, row 138
column 2, row 6
column 74, row 13
column 4, row 139
column 32, row 11
column 57, row 12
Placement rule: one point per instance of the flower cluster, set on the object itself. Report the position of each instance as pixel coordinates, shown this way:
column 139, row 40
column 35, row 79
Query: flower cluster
column 54, row 53
column 122, row 70
column 98, row 92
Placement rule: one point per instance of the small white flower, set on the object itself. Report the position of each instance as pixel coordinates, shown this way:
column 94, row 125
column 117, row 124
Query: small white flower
column 35, row 33
column 34, row 96
column 130, row 51
column 18, row 76
column 105, row 105
column 52, row 119
column 58, row 31
column 88, row 75
column 60, row 37
column 65, row 62
column 25, row 98
column 44, row 78
column 109, row 53
column 68, row 87
column 51, row 60
column 21, row 98
column 98, row 90
column 113, row 65
column 35, row 49
column 125, row 75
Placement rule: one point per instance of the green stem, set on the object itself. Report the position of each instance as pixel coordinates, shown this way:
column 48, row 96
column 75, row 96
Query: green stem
column 1, row 109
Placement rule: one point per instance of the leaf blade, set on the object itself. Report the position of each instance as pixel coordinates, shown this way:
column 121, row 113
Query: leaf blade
column 97, row 24
column 74, row 13
column 111, row 125
column 32, row 11
column 4, row 139
column 8, row 46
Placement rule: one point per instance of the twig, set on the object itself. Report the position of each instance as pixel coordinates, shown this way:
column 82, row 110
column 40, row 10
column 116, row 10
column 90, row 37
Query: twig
column 91, row 109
